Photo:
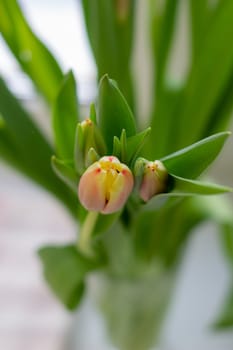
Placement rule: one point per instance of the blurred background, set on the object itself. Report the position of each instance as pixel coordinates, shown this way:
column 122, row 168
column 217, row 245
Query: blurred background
column 30, row 317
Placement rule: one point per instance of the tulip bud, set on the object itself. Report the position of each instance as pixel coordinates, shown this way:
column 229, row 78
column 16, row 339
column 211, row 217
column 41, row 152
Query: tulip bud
column 92, row 136
column 154, row 180
column 105, row 186
column 88, row 137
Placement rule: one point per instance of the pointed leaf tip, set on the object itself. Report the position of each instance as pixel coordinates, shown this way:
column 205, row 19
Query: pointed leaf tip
column 114, row 113
column 192, row 187
column 191, row 161
column 65, row 172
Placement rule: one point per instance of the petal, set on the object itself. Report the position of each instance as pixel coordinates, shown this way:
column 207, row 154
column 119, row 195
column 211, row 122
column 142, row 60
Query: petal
column 105, row 185
column 119, row 192
column 91, row 188
column 111, row 159
column 154, row 180
column 149, row 186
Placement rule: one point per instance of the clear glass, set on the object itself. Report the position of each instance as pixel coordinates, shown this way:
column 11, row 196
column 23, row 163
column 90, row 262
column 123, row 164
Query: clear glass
column 123, row 314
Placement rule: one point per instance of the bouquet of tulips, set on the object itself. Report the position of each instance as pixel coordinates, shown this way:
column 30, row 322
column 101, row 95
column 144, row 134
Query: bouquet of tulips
column 136, row 193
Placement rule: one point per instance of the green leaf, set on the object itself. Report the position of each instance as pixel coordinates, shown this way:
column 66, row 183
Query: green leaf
column 65, row 117
column 135, row 144
column 128, row 148
column 222, row 112
column 104, row 222
column 114, row 114
column 162, row 27
column 92, row 156
column 116, row 147
column 163, row 18
column 219, row 210
column 10, row 153
column 65, row 270
column 88, row 139
column 207, row 79
column 8, row 149
column 192, row 187
column 79, row 146
column 200, row 16
column 123, row 142
column 225, row 319
column 2, row 123
column 110, row 28
column 184, row 187
column 24, row 146
column 191, row 161
column 163, row 122
column 34, row 58
column 93, row 113
column 65, row 172
column 155, row 203
column 215, row 208
column 166, row 229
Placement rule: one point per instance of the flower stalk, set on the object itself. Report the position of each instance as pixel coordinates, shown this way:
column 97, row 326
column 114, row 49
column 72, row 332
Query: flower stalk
column 85, row 235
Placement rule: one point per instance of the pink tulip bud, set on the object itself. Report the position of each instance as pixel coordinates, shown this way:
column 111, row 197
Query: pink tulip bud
column 105, row 186
column 154, row 180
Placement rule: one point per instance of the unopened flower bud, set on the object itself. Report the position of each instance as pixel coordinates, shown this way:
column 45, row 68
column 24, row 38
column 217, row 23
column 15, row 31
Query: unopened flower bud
column 92, row 136
column 88, row 137
column 105, row 186
column 154, row 180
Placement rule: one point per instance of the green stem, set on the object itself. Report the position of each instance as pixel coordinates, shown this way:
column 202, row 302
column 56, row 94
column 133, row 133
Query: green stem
column 84, row 241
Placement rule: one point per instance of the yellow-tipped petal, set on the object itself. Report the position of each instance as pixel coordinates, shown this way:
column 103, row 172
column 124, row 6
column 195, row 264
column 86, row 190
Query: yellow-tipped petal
column 119, row 191
column 105, row 185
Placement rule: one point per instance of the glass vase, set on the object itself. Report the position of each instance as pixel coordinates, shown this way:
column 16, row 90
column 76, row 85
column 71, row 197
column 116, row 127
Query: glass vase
column 123, row 313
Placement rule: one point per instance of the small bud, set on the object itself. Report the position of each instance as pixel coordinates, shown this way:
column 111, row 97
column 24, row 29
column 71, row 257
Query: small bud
column 105, row 186
column 92, row 137
column 92, row 156
column 154, row 180
column 88, row 137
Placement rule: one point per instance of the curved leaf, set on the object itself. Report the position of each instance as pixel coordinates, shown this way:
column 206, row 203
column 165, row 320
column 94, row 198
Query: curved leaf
column 163, row 23
column 35, row 59
column 104, row 222
column 208, row 77
column 65, row 270
column 110, row 28
column 200, row 14
column 26, row 148
column 65, row 117
column 192, row 187
column 114, row 114
column 191, row 161
column 182, row 188
column 135, row 143
column 65, row 172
